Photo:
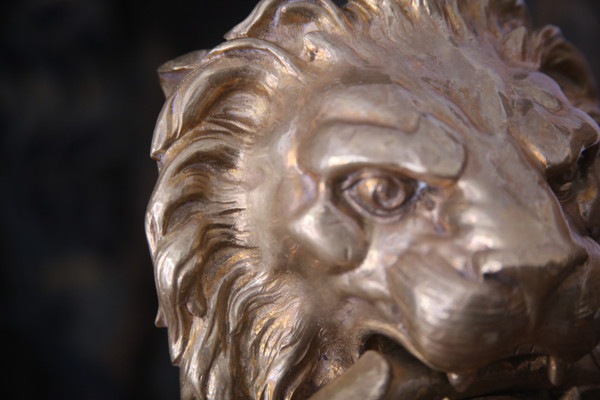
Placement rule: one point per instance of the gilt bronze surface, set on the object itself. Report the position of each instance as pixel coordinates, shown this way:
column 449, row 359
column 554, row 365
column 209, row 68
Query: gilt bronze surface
column 395, row 199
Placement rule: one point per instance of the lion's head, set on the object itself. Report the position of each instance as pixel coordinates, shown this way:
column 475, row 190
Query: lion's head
column 417, row 178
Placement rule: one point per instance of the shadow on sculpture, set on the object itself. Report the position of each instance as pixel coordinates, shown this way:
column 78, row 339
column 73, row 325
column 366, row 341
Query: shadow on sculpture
column 388, row 200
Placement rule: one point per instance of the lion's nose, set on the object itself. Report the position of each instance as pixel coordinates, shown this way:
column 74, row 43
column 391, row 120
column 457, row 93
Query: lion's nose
column 537, row 267
column 546, row 265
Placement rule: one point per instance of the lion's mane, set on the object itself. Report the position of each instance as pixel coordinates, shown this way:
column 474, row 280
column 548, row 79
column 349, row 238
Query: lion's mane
column 236, row 328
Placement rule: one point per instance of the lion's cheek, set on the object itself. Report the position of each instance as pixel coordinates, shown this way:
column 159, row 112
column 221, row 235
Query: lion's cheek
column 330, row 236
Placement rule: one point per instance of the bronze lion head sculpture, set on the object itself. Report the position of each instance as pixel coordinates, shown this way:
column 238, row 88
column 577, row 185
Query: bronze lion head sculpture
column 414, row 183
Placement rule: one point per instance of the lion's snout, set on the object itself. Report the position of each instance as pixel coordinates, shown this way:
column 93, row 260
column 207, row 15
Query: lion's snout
column 511, row 270
column 514, row 229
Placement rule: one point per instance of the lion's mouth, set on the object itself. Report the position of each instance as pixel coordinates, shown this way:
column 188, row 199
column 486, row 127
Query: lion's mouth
column 524, row 377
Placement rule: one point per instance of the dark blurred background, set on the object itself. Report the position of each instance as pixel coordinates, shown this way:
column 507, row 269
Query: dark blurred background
column 79, row 98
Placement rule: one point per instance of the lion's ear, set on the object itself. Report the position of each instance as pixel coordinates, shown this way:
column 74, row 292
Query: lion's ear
column 173, row 72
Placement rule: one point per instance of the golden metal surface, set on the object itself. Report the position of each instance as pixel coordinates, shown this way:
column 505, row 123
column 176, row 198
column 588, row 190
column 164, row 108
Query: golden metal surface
column 413, row 182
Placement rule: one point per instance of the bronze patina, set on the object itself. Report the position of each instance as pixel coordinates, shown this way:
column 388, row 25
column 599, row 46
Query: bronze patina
column 391, row 200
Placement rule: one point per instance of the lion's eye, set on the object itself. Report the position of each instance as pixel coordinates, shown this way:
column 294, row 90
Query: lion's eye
column 562, row 183
column 379, row 193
